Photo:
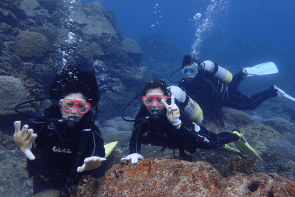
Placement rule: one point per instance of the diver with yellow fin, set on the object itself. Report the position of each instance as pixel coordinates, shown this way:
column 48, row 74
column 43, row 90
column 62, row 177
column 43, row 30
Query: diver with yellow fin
column 243, row 145
column 161, row 121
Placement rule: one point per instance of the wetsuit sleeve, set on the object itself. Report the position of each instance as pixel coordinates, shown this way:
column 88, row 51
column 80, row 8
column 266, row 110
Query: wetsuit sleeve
column 96, row 148
column 38, row 126
column 97, row 143
column 187, row 134
column 135, row 141
column 137, row 133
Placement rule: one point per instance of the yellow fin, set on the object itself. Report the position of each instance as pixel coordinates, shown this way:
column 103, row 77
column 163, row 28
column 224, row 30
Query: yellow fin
column 246, row 148
column 109, row 148
column 229, row 148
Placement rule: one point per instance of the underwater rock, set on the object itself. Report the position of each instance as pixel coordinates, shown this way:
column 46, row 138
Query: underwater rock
column 260, row 184
column 132, row 49
column 164, row 177
column 116, row 129
column 284, row 127
column 12, row 93
column 29, row 6
column 96, row 49
column 110, row 134
column 92, row 22
column 119, row 124
column 30, row 44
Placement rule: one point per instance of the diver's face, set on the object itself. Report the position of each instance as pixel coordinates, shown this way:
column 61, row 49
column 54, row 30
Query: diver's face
column 190, row 71
column 74, row 112
column 155, row 106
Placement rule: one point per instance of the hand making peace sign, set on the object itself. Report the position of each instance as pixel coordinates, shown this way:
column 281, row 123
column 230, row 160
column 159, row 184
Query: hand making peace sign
column 173, row 113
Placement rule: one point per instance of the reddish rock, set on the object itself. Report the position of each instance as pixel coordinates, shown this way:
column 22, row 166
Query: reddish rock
column 169, row 177
column 162, row 177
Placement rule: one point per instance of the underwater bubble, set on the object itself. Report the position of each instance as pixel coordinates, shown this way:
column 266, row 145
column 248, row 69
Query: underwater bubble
column 197, row 16
column 203, row 27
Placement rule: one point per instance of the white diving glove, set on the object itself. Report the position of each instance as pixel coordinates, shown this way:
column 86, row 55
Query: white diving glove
column 91, row 163
column 24, row 139
column 173, row 113
column 133, row 157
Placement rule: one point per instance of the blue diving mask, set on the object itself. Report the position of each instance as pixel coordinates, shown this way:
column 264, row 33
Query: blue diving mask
column 190, row 71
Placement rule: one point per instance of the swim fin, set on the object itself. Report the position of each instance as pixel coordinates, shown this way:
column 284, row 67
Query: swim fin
column 283, row 93
column 229, row 148
column 266, row 68
column 243, row 146
column 109, row 148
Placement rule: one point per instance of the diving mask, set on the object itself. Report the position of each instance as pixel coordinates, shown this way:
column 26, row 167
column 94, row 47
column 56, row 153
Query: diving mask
column 69, row 105
column 148, row 100
column 190, row 71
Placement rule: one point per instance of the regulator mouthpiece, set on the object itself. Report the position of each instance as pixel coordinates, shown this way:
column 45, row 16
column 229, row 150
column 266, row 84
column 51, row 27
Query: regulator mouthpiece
column 155, row 115
column 71, row 122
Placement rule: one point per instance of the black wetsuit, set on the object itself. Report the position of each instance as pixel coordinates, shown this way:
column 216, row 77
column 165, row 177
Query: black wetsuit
column 163, row 133
column 57, row 147
column 212, row 94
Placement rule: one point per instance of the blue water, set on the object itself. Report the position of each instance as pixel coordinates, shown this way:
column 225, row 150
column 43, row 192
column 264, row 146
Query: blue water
column 243, row 32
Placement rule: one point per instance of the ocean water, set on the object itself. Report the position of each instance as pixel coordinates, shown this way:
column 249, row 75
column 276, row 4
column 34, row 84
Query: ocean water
column 238, row 33
column 233, row 33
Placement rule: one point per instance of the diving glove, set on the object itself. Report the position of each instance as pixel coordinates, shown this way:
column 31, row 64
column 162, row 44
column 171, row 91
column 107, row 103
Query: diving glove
column 133, row 157
column 91, row 163
column 24, row 139
column 243, row 146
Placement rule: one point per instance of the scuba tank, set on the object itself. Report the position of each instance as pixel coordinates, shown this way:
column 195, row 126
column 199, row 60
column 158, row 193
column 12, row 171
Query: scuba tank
column 217, row 71
column 191, row 108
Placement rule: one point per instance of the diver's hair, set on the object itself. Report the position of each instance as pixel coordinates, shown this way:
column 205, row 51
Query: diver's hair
column 155, row 85
column 187, row 60
column 74, row 80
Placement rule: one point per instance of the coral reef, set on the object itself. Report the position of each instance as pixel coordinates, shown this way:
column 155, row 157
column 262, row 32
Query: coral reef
column 30, row 44
column 12, row 91
column 132, row 48
column 164, row 177
column 244, row 165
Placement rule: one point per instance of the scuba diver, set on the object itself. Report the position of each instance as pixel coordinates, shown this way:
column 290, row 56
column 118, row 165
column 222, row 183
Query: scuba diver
column 160, row 124
column 65, row 139
column 214, row 87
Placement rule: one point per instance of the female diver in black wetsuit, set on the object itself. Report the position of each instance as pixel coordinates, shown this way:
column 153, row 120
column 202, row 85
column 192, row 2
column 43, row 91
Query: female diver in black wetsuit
column 73, row 144
column 169, row 126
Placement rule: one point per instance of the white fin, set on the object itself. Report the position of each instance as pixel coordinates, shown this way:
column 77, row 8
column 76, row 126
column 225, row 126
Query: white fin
column 284, row 94
column 266, row 68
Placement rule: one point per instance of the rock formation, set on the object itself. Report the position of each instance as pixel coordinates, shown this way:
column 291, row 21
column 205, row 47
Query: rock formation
column 164, row 177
